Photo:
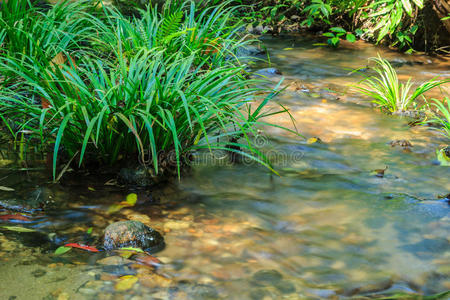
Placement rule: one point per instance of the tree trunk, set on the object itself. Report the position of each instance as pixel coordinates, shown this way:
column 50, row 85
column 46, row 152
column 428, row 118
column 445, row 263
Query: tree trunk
column 442, row 9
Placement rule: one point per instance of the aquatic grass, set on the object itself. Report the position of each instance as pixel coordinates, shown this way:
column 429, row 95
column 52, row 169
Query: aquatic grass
column 442, row 117
column 28, row 30
column 386, row 90
column 147, row 107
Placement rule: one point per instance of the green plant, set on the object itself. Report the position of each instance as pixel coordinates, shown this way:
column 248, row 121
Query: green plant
column 442, row 117
column 317, row 10
column 388, row 92
column 389, row 16
column 149, row 88
column 335, row 34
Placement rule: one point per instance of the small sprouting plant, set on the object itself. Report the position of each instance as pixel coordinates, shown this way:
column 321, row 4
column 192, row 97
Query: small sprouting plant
column 335, row 34
column 388, row 92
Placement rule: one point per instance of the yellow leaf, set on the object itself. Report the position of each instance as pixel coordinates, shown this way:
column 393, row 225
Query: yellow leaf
column 91, row 189
column 58, row 60
column 324, row 100
column 287, row 49
column 311, row 140
column 126, row 282
column 281, row 56
column 131, row 199
column 115, row 208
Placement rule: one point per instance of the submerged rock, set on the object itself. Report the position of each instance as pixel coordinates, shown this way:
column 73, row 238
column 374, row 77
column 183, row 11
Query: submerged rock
column 266, row 277
column 268, row 73
column 139, row 176
column 132, row 234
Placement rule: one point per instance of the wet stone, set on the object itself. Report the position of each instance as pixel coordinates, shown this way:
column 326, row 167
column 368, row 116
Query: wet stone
column 285, row 287
column 132, row 234
column 38, row 273
column 268, row 73
column 266, row 277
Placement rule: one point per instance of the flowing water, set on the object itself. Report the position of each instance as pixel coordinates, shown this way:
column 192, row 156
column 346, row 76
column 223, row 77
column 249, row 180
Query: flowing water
column 327, row 227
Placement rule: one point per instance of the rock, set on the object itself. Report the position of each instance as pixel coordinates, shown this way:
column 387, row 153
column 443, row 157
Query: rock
column 176, row 225
column 412, row 114
column 113, row 260
column 132, row 234
column 39, row 199
column 402, row 143
column 249, row 51
column 266, row 277
column 267, row 73
column 285, row 287
column 139, row 176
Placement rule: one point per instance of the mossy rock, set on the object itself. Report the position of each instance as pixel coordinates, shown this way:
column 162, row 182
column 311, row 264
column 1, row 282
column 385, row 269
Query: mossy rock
column 132, row 234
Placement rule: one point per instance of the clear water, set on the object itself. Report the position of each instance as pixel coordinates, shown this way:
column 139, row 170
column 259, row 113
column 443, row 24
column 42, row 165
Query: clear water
column 327, row 226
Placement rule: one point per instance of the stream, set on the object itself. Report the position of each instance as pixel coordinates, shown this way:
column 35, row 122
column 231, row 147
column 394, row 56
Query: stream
column 326, row 228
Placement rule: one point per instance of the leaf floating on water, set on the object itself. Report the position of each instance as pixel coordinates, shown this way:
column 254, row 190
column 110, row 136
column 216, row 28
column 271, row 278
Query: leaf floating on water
column 89, row 231
column 139, row 250
column 6, row 189
column 91, row 189
column 313, row 140
column 18, row 229
column 443, row 158
column 115, row 208
column 131, row 199
column 288, row 49
column 61, row 250
column 127, row 252
column 126, row 282
column 82, row 247
column 14, row 217
column 148, row 260
column 379, row 172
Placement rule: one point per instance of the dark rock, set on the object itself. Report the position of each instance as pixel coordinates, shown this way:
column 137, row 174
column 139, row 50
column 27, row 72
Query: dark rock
column 266, row 277
column 249, row 51
column 132, row 234
column 139, row 176
column 402, row 143
column 38, row 273
column 412, row 114
column 268, row 73
column 39, row 199
column 285, row 287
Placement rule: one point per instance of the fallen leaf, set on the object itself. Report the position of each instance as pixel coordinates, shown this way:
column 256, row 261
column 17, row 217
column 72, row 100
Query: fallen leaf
column 18, row 229
column 379, row 172
column 115, row 208
column 83, row 247
column 148, row 260
column 126, row 282
column 61, row 250
column 89, row 231
column 131, row 199
column 287, row 49
column 139, row 250
column 313, row 140
column 6, row 189
column 14, row 217
column 91, row 189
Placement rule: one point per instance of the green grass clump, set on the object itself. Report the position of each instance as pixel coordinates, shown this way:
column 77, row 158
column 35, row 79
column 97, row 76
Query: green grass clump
column 388, row 93
column 150, row 88
column 442, row 117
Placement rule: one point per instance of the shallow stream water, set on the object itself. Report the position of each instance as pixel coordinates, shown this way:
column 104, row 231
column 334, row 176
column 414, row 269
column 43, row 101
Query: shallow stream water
column 327, row 227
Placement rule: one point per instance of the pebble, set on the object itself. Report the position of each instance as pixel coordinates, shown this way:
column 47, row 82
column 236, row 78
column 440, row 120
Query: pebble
column 176, row 225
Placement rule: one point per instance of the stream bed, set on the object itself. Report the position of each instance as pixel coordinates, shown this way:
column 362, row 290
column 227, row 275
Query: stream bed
column 327, row 227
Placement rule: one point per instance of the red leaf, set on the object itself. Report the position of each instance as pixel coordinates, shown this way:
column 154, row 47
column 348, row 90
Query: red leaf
column 148, row 260
column 83, row 247
column 14, row 217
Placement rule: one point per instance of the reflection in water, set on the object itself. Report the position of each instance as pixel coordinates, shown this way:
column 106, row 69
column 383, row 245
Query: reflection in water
column 326, row 228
